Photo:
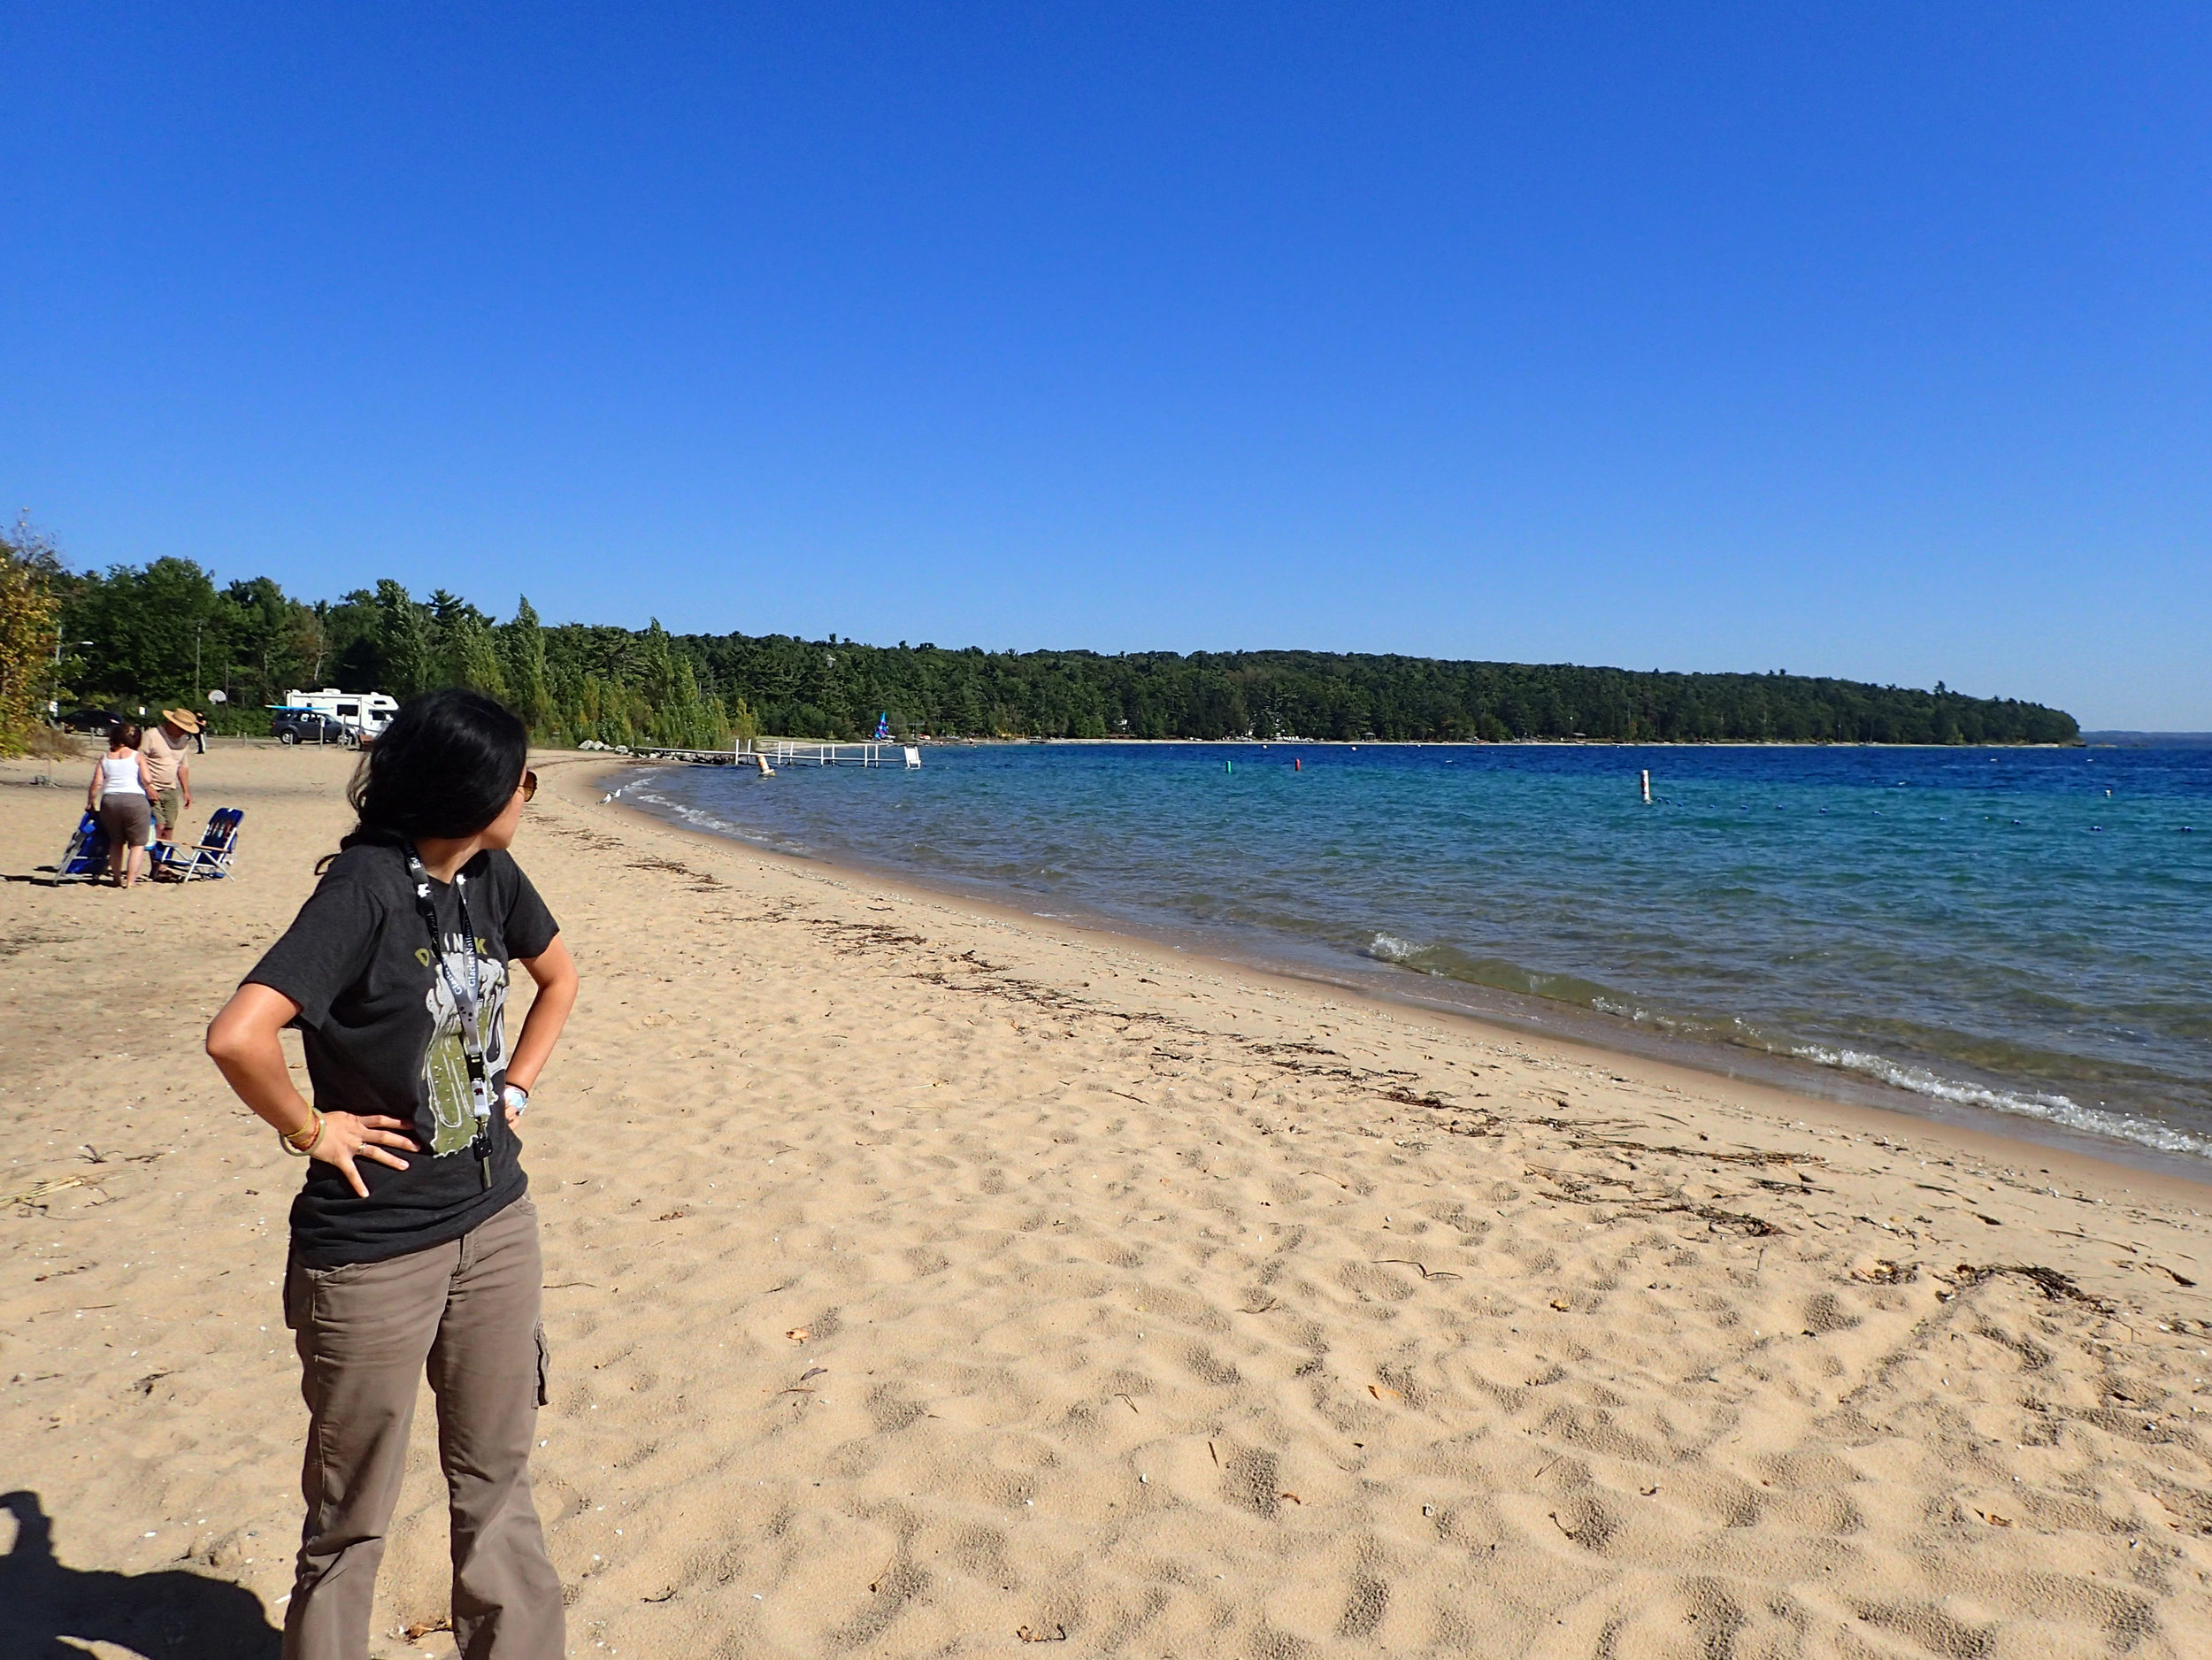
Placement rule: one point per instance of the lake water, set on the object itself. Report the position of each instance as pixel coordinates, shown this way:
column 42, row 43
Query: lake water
column 2025, row 932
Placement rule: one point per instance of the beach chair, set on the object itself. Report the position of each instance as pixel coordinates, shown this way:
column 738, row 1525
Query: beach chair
column 211, row 858
column 86, row 858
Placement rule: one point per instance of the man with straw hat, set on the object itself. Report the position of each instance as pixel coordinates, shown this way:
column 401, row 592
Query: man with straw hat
column 165, row 747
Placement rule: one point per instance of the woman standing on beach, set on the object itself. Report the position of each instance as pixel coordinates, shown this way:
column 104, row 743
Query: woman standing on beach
column 122, row 795
column 396, row 972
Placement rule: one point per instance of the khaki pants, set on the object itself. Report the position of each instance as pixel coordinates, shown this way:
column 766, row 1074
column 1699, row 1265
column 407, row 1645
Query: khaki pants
column 467, row 1310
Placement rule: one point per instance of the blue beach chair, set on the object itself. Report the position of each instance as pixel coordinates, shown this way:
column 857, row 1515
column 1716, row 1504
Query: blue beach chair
column 211, row 858
column 86, row 858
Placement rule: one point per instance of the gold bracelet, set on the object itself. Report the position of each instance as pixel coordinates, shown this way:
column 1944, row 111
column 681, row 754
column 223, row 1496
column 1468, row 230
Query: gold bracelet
column 292, row 1146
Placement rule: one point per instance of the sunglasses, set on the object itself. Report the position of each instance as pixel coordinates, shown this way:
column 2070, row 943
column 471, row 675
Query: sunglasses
column 529, row 785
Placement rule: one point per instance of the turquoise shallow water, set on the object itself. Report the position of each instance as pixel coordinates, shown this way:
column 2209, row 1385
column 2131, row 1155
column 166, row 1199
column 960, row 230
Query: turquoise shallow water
column 2022, row 933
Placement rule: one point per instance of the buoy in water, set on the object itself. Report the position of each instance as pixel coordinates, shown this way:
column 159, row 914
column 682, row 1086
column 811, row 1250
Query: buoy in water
column 1297, row 764
column 1646, row 787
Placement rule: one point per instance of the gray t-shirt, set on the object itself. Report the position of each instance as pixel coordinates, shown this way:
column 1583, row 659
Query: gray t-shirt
column 383, row 1035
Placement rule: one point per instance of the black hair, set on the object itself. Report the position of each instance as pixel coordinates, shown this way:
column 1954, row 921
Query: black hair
column 447, row 765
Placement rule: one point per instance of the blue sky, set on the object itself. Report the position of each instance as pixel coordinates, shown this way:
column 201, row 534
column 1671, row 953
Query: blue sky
column 1861, row 340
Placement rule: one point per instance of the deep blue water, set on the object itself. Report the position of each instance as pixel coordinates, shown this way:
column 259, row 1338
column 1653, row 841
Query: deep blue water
column 2023, row 931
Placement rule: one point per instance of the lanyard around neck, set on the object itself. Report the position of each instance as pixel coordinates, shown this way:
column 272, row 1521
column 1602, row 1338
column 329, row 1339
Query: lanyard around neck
column 467, row 998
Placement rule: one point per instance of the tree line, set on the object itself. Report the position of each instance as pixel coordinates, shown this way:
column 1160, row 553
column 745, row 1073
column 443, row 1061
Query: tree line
column 165, row 632
column 832, row 688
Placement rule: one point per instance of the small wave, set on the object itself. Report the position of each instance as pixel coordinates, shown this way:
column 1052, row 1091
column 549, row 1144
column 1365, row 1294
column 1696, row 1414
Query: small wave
column 1389, row 948
column 700, row 818
column 2051, row 1109
column 1641, row 1015
column 1445, row 962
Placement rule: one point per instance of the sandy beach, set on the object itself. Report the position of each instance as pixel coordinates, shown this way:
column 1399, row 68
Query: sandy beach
column 926, row 1279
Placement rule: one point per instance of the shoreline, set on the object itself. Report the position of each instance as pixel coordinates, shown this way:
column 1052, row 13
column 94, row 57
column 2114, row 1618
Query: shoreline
column 1499, row 1012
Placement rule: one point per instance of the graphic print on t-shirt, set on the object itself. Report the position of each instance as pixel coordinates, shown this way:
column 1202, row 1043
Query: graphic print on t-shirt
column 445, row 1067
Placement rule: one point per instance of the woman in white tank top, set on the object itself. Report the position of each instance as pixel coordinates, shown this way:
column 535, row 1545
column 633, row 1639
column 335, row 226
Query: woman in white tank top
column 122, row 775
column 121, row 794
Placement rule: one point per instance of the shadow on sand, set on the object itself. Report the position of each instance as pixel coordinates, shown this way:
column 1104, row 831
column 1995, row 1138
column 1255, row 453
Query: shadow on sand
column 166, row 1615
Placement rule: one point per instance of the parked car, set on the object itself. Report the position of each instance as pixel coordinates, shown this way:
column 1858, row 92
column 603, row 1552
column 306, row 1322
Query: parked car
column 308, row 726
column 90, row 720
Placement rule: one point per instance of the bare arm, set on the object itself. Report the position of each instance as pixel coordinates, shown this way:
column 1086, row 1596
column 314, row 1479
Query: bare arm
column 555, row 971
column 92, row 791
column 184, row 781
column 242, row 1043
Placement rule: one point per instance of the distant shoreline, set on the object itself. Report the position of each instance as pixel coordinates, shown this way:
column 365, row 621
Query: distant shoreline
column 2117, row 739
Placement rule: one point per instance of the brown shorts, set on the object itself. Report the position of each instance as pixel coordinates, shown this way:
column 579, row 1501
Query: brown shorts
column 124, row 819
column 168, row 808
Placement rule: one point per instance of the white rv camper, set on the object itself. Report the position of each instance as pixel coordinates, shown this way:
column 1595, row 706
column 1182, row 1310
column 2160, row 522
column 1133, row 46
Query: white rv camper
column 367, row 712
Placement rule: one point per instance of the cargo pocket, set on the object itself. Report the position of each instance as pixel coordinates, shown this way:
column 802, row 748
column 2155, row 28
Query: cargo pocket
column 545, row 1366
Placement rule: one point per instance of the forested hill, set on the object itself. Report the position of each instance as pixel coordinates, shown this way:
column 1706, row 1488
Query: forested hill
column 810, row 687
column 166, row 633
